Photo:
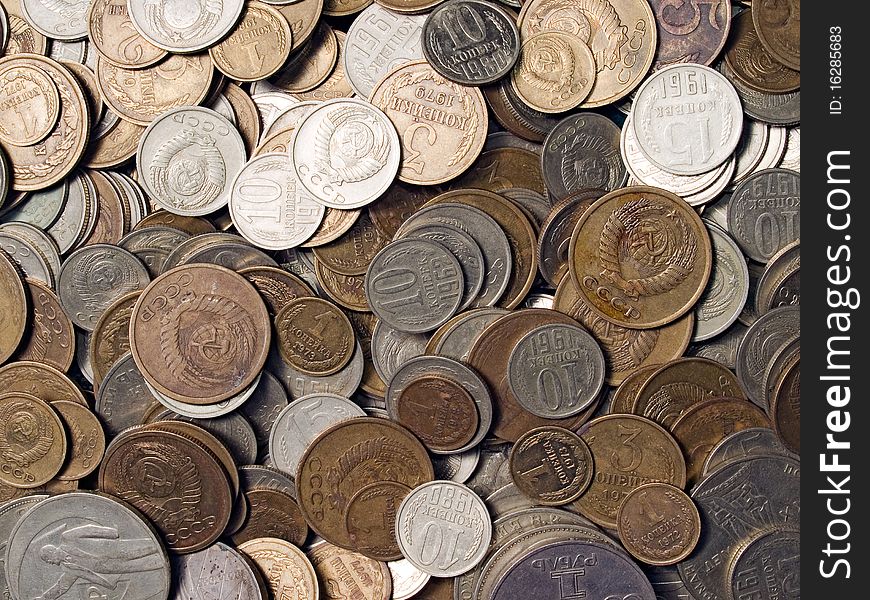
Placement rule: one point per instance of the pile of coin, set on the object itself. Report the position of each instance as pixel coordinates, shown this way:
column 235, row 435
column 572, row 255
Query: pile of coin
column 443, row 299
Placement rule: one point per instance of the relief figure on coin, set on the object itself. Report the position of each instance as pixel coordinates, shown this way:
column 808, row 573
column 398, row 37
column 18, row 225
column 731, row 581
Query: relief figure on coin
column 350, row 146
column 682, row 17
column 96, row 555
column 188, row 169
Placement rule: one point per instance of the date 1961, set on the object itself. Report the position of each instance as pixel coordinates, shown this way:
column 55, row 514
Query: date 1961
column 835, row 69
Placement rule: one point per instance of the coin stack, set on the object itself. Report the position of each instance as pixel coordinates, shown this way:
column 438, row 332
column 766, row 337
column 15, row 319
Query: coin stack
column 443, row 299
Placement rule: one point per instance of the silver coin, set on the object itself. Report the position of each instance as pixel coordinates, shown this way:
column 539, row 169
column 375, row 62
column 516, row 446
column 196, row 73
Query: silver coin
column 27, row 257
column 300, row 262
column 64, row 536
column 123, row 398
column 764, row 213
column 408, row 580
column 289, row 118
column 58, row 20
column 771, row 331
column 780, row 283
column 303, row 420
column 582, row 152
column 10, row 513
column 263, row 407
column 270, row 207
column 464, row 249
column 180, row 184
column 750, row 149
column 717, row 212
column 723, row 348
column 539, row 300
column 504, row 139
column 666, row 583
column 493, row 470
column 698, row 136
column 414, row 285
column 233, row 431
column 138, row 203
column 507, row 499
column 93, row 277
column 461, row 517
column 378, row 41
column 449, row 369
column 346, row 153
column 83, row 355
column 531, row 202
column 791, row 159
column 71, row 51
column 299, row 384
column 152, row 245
column 194, row 244
column 788, row 352
column 222, row 106
column 736, row 502
column 749, row 314
column 41, row 208
column 727, row 290
column 184, row 26
column 755, row 441
column 270, row 104
column 775, row 109
column 456, row 343
column 486, row 232
column 4, row 27
column 392, row 348
column 456, row 467
column 39, row 240
column 205, row 411
column 263, row 477
column 104, row 124
column 556, row 371
column 770, row 158
column 770, row 561
column 216, row 572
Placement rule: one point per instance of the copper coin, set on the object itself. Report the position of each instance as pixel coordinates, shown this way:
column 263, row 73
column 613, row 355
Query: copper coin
column 22, row 37
column 786, row 407
column 489, row 356
column 272, row 513
column 337, row 84
column 258, row 46
column 641, row 257
column 200, row 334
column 247, row 117
column 174, row 480
column 110, row 339
column 352, row 253
column 29, row 103
column 346, row 290
column 40, row 380
column 191, row 225
column 116, row 146
column 439, row 411
column 551, row 465
column 555, row 72
column 779, row 29
column 628, row 451
column 686, row 34
column 50, row 338
column 681, row 384
column 336, row 222
column 440, row 147
column 33, row 443
column 625, row 395
column 555, row 238
column 503, row 169
column 87, row 442
column 751, row 63
column 313, row 64
column 706, row 424
column 111, row 32
column 625, row 349
column 515, row 116
column 283, row 567
column 397, row 205
column 314, row 336
column 370, row 519
column 13, row 307
column 348, row 456
column 276, row 286
column 350, row 574
column 113, row 217
column 659, row 524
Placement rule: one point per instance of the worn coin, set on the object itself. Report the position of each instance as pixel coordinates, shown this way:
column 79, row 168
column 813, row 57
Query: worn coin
column 582, row 152
column 771, row 331
column 392, row 348
column 36, row 102
column 284, row 567
column 455, row 337
column 785, row 408
column 551, row 465
column 439, row 411
column 348, row 574
column 312, row 64
column 727, row 290
column 555, row 71
column 764, row 213
column 353, row 251
column 50, row 339
column 556, row 371
column 298, row 384
column 775, row 109
column 212, row 571
column 152, row 245
column 182, row 27
column 111, row 32
column 34, row 442
column 257, row 47
column 767, row 563
column 753, row 441
column 685, row 34
column 314, row 336
column 14, row 308
column 659, row 524
column 780, row 284
column 272, row 513
column 555, row 236
column 778, row 25
column 370, row 519
column 751, row 63
column 60, row 22
column 86, row 440
column 110, row 339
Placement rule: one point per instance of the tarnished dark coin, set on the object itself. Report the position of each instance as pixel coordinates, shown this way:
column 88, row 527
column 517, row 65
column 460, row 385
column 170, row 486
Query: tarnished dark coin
column 124, row 398
column 624, row 396
column 51, row 339
column 276, row 286
column 751, row 63
column 398, row 204
column 767, row 564
column 470, row 41
column 33, row 441
column 352, row 253
column 314, row 336
column 785, row 410
column 688, row 33
column 272, row 513
column 200, row 334
column 439, row 411
column 659, row 524
column 555, row 238
column 551, row 465
column 515, row 116
column 503, row 169
column 370, row 519
column 13, row 307
column 780, row 284
column 779, row 29
column 764, row 338
column 775, row 109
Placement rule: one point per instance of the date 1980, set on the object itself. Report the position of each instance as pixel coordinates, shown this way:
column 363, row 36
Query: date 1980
column 835, row 69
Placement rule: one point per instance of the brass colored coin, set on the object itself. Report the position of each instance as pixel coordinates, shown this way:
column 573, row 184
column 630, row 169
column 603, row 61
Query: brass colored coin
column 678, row 385
column 272, row 513
column 409, row 6
column 370, row 519
column 116, row 146
column 626, row 349
column 87, row 442
column 200, row 334
column 397, row 205
column 23, row 39
column 779, row 29
column 33, row 443
column 112, row 34
column 347, row 457
column 621, row 33
column 313, row 64
column 40, row 380
column 519, row 231
column 439, row 411
column 346, row 290
column 786, row 407
column 555, row 71
column 29, row 103
column 623, row 398
column 247, row 117
column 336, row 222
column 192, row 225
column 51, row 338
column 503, row 169
column 190, row 477
column 341, row 8
column 361, row 578
column 352, row 253
column 489, row 356
column 110, row 339
column 303, row 17
column 628, row 451
column 43, row 164
column 364, row 326
column 706, row 424
column 258, row 46
column 314, row 336
column 641, row 257
column 276, row 142
column 276, row 286
column 337, row 84
column 113, row 216
column 13, row 307
column 551, row 465
column 659, row 524
column 283, row 567
column 142, row 95
column 515, row 116
column 751, row 63
column 88, row 80
column 556, row 231
column 442, row 125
